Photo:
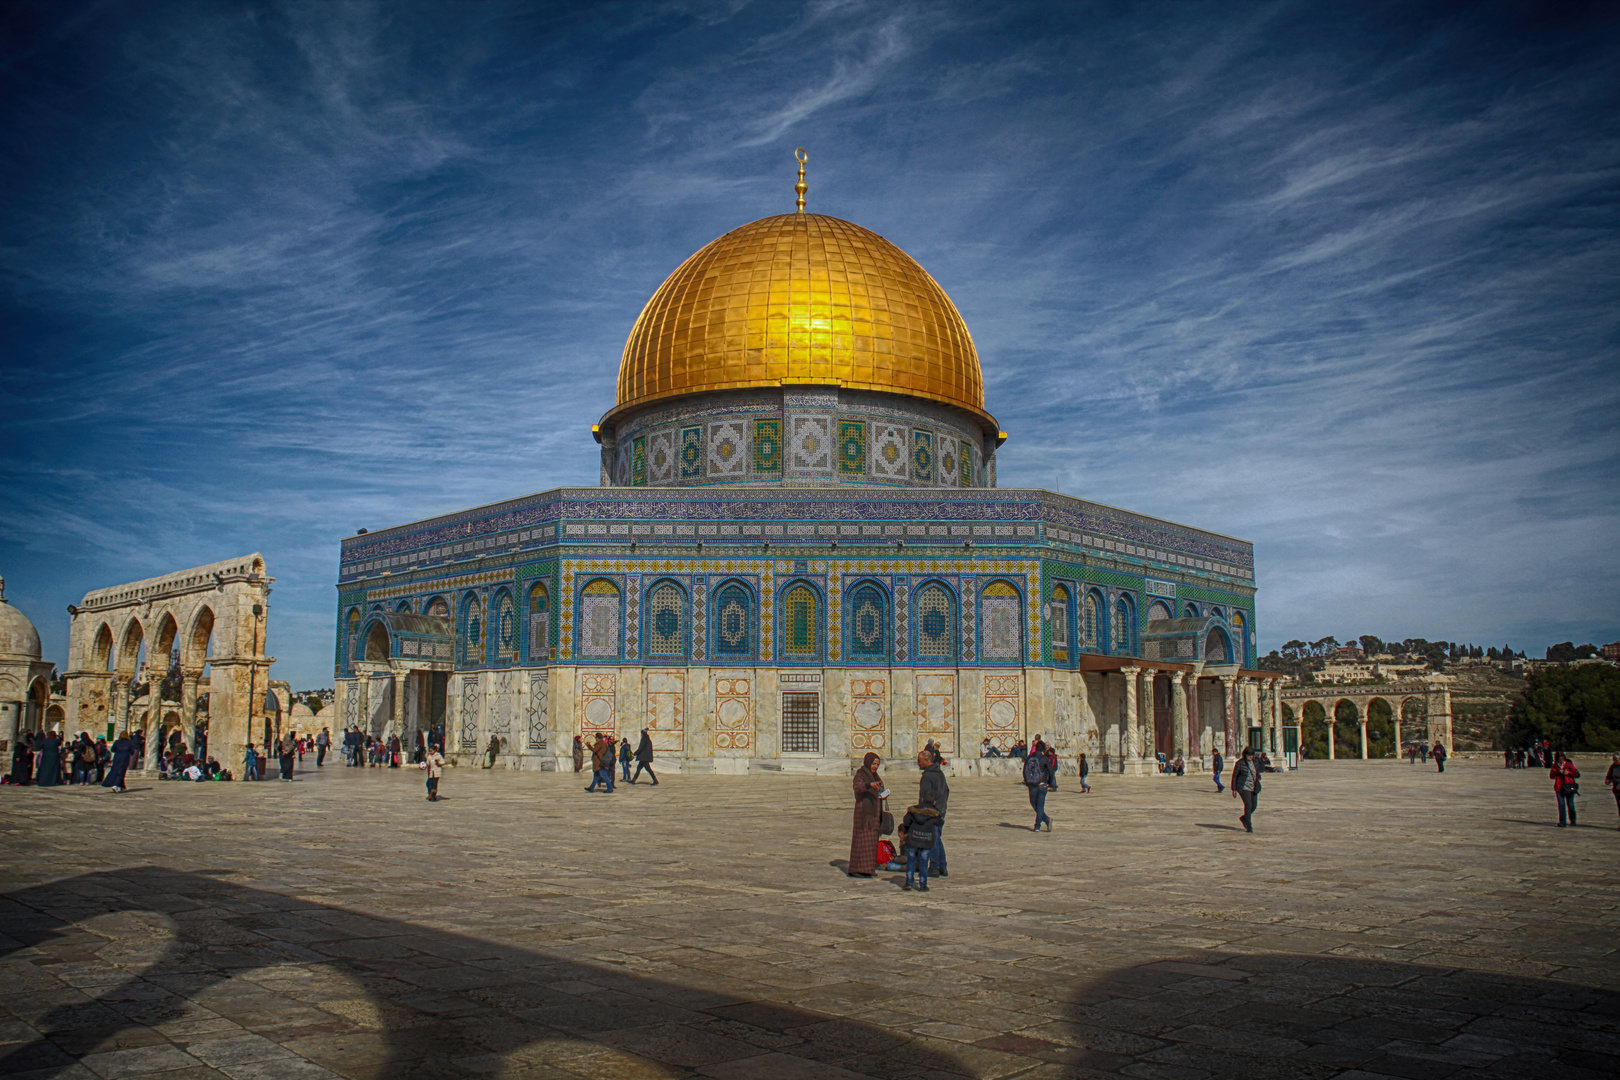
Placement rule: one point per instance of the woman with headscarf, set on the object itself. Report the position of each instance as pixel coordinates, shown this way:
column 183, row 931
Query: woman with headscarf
column 579, row 754
column 863, row 840
column 49, row 748
column 644, row 758
column 123, row 748
column 22, row 759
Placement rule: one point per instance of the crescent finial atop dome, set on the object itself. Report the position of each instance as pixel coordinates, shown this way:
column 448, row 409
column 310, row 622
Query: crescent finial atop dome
column 801, row 187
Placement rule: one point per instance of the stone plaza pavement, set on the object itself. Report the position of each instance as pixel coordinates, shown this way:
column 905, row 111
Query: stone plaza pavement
column 1383, row 920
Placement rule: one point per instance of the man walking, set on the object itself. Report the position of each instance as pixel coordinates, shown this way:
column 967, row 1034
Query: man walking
column 1246, row 786
column 602, row 755
column 434, row 764
column 322, row 741
column 1220, row 763
column 1439, row 755
column 933, row 790
column 1035, row 781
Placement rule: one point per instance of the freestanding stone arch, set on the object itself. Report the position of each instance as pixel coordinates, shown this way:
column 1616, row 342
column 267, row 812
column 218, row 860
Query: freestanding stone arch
column 1434, row 695
column 217, row 615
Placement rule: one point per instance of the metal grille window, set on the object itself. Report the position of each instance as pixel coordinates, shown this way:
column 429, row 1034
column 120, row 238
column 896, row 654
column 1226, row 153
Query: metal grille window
column 868, row 623
column 539, row 623
column 665, row 622
column 801, row 723
column 934, row 623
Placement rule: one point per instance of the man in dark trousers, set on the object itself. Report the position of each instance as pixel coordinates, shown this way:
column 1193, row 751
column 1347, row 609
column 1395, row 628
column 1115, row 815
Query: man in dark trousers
column 1220, row 763
column 1439, row 755
column 322, row 741
column 934, row 790
column 1246, row 786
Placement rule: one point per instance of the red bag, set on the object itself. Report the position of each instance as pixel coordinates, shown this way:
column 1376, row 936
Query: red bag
column 885, row 853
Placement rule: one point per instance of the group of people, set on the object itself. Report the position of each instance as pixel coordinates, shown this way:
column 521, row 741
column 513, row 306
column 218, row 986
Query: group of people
column 44, row 759
column 1566, row 781
column 1538, row 755
column 1416, row 752
column 604, row 752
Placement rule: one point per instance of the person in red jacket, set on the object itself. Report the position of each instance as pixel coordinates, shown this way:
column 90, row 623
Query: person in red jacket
column 1564, row 774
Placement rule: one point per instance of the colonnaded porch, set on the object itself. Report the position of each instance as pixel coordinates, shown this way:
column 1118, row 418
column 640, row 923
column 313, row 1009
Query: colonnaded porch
column 1431, row 696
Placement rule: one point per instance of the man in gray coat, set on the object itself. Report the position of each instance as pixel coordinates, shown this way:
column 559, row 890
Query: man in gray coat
column 933, row 781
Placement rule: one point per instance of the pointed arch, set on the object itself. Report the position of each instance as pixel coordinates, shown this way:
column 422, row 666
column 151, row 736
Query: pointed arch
column 733, row 606
column 1158, row 610
column 503, row 627
column 1094, row 621
column 1217, row 646
column 667, row 620
column 600, row 623
column 935, row 623
column 404, row 606
column 1001, row 619
column 378, row 647
column 129, row 646
column 801, row 622
column 1059, row 616
column 472, row 629
column 101, row 650
column 866, row 617
column 198, row 638
column 538, row 604
column 1240, row 628
column 1124, row 625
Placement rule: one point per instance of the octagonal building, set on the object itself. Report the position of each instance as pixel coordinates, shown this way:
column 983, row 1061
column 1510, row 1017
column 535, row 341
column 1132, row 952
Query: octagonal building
column 798, row 553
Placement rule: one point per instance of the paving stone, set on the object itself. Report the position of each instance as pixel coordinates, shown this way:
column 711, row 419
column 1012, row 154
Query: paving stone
column 1383, row 921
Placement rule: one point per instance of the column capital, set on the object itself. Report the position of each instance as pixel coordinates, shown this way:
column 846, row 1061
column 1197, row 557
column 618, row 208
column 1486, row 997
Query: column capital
column 1129, row 670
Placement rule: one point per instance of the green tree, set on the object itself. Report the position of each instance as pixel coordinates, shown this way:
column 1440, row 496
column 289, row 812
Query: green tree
column 315, row 704
column 1574, row 708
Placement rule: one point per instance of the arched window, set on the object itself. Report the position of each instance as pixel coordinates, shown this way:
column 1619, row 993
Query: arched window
column 437, row 608
column 1239, row 628
column 1057, row 620
column 666, row 621
column 539, row 621
column 734, row 623
column 1158, row 610
column 1192, row 611
column 599, row 619
column 403, row 606
column 1124, row 628
column 801, row 623
column 1000, row 612
column 472, row 638
column 868, row 620
column 1216, row 647
column 354, row 634
column 505, row 627
column 377, row 643
column 936, row 639
column 1091, row 631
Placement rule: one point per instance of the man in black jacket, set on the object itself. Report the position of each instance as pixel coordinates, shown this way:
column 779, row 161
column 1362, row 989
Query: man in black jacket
column 933, row 789
column 1246, row 785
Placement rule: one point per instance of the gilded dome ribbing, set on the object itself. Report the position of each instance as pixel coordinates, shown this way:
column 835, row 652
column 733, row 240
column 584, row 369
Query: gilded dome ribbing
column 801, row 299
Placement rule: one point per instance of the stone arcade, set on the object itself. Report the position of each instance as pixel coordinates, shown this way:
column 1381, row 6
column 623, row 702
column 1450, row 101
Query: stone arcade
column 798, row 554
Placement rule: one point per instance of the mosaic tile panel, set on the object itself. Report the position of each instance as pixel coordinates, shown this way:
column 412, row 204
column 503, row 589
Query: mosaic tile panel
column 733, row 633
column 632, row 616
column 949, row 460
column 660, row 457
column 852, row 448
column 638, row 462
column 666, row 711
column 728, row 450
column 810, row 444
column 936, row 710
column 967, row 586
column 868, row 714
column 868, row 620
column 733, row 712
column 599, row 621
column 767, row 446
column 471, row 711
column 902, row 623
column 922, row 456
column 965, row 467
column 598, row 700
column 800, row 619
column 691, row 453
column 506, row 628
column 700, row 618
column 1002, row 620
column 539, row 622
column 889, row 452
column 1003, row 709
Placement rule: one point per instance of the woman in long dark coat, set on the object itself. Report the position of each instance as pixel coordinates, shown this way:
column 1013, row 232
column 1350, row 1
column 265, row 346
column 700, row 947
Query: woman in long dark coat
column 123, row 749
column 22, row 759
column 644, row 758
column 49, row 771
column 863, row 840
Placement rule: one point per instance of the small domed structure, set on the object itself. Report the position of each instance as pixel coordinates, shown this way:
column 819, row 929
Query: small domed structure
column 19, row 639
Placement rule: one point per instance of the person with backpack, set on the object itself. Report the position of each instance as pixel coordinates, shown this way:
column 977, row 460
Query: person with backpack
column 1035, row 779
column 626, row 756
column 1564, row 775
column 935, row 791
column 919, row 831
column 1246, row 786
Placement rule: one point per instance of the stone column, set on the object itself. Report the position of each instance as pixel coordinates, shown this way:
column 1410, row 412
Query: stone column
column 397, row 721
column 1275, row 712
column 1327, row 716
column 1179, row 723
column 1144, row 719
column 1363, row 734
column 1129, row 726
column 1229, row 700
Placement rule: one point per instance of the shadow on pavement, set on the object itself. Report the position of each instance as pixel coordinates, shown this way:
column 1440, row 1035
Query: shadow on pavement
column 403, row 999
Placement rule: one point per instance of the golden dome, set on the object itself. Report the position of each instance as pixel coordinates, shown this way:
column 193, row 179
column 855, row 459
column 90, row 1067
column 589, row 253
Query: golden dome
column 801, row 299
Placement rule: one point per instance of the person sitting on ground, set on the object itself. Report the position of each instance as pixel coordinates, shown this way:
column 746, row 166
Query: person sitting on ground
column 918, row 831
column 1265, row 763
column 887, row 859
column 1179, row 766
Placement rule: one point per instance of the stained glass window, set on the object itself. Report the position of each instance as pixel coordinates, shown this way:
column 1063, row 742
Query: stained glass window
column 539, row 622
column 1059, row 615
column 800, row 622
column 1000, row 616
column 1093, row 625
column 934, row 623
column 505, row 627
column 666, row 621
column 1123, row 637
column 868, row 620
column 599, row 619
column 733, row 623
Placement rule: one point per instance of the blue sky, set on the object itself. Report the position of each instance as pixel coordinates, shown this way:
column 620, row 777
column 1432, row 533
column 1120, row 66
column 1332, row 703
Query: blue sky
column 1338, row 279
